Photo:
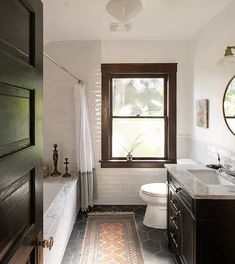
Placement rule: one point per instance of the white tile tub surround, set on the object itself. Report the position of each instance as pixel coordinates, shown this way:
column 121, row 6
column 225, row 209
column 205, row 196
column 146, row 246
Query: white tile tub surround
column 60, row 211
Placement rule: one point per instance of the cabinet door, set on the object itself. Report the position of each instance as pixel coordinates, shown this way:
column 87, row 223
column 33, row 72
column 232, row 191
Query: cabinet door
column 174, row 222
column 187, row 236
column 215, row 241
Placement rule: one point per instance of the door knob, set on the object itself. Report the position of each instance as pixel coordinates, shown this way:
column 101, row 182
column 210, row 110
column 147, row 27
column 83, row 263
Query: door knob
column 47, row 243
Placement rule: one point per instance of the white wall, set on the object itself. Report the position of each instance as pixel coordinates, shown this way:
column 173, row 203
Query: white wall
column 143, row 51
column 83, row 58
column 209, row 82
column 198, row 77
column 112, row 188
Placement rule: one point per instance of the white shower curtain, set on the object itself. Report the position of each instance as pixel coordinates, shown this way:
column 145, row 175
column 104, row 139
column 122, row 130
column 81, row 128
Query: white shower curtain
column 84, row 149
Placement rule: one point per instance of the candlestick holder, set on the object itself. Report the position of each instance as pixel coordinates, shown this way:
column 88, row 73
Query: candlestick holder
column 55, row 173
column 66, row 175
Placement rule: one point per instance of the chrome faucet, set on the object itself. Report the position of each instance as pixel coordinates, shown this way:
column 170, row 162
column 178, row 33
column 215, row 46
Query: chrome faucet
column 228, row 169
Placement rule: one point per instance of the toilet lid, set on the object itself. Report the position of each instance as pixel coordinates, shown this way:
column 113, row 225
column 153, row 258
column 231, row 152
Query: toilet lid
column 155, row 189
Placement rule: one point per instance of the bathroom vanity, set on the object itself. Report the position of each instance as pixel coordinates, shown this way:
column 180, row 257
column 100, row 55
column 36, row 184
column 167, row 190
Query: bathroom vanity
column 201, row 215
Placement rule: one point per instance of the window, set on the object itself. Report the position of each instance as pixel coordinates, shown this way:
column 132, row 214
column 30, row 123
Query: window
column 138, row 116
column 138, row 111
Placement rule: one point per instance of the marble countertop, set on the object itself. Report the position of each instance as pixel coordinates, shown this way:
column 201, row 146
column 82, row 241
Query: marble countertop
column 196, row 188
column 60, row 199
column 60, row 179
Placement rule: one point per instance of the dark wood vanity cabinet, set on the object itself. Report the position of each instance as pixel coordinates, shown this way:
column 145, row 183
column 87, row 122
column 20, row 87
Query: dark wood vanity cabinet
column 181, row 224
column 200, row 231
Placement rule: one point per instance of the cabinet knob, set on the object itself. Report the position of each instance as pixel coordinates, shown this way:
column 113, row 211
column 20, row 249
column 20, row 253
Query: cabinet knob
column 179, row 189
column 47, row 243
column 178, row 213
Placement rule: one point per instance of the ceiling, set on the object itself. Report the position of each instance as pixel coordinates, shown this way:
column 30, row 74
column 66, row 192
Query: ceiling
column 159, row 20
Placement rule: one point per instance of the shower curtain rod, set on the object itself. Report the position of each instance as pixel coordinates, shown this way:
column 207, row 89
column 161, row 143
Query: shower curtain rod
column 62, row 67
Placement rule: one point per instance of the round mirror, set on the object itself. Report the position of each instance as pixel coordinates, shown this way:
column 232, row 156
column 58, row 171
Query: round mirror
column 229, row 105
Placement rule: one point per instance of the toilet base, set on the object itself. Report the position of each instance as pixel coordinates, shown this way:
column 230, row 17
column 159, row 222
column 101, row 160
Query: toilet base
column 155, row 217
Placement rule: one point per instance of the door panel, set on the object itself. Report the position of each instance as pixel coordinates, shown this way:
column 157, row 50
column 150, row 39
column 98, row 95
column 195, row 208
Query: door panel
column 22, row 192
column 20, row 134
column 18, row 127
column 18, row 17
column 18, row 33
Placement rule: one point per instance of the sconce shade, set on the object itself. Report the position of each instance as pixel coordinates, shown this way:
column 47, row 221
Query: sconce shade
column 228, row 52
column 228, row 56
column 124, row 10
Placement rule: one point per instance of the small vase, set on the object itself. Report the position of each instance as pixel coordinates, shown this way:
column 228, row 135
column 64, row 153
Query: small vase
column 129, row 157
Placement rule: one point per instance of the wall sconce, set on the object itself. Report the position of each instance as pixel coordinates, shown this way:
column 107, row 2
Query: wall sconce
column 228, row 56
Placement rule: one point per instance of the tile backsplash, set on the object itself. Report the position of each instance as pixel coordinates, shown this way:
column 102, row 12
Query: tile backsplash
column 205, row 153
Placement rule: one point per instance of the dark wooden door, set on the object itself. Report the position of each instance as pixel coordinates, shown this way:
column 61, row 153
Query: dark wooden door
column 20, row 131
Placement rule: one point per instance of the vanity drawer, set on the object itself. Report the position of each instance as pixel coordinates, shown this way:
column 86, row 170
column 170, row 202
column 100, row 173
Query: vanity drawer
column 174, row 242
column 182, row 194
column 174, row 221
column 173, row 199
column 174, row 218
column 174, row 236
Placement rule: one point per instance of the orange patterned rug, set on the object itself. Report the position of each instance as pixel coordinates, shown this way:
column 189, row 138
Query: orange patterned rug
column 111, row 239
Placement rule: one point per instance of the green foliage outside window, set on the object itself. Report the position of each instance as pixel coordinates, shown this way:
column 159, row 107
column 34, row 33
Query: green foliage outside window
column 138, row 97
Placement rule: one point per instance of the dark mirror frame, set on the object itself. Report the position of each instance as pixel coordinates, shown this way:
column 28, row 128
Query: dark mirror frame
column 233, row 132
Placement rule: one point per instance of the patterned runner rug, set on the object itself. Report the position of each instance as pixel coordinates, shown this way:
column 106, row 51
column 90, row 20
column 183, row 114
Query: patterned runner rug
column 111, row 238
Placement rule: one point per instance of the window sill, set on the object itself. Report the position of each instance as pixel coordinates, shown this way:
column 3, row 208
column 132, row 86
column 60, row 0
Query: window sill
column 135, row 163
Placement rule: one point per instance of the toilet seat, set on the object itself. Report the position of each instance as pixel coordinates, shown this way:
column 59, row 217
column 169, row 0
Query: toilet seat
column 155, row 189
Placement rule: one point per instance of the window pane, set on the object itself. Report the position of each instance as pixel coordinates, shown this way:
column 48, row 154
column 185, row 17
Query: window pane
column 148, row 132
column 138, row 96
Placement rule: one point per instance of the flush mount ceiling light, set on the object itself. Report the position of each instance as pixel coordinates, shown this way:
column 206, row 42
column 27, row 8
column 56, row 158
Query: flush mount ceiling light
column 228, row 56
column 124, row 10
column 120, row 27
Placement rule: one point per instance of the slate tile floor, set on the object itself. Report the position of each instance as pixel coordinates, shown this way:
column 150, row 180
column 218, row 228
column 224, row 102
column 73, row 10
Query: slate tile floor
column 153, row 241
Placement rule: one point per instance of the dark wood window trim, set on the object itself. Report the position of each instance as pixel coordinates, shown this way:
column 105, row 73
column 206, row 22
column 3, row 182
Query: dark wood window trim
column 109, row 71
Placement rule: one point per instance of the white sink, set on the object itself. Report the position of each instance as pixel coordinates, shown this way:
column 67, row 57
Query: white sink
column 210, row 177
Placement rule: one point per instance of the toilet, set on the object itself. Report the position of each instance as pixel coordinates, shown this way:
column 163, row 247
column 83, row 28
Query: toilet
column 155, row 195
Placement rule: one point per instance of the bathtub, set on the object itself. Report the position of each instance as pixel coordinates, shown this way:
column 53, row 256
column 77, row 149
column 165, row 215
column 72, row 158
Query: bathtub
column 59, row 215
